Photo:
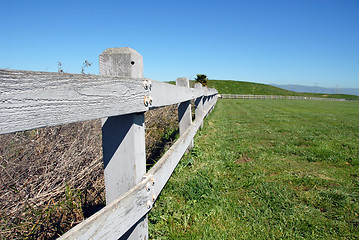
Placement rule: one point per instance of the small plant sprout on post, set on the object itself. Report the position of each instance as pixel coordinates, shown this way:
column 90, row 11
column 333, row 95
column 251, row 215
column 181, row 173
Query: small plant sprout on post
column 202, row 79
column 59, row 67
column 85, row 65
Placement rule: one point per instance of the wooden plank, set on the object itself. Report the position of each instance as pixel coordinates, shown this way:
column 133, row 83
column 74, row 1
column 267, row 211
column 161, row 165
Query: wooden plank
column 184, row 110
column 124, row 157
column 199, row 104
column 123, row 137
column 49, row 99
column 121, row 62
column 115, row 219
column 205, row 104
column 164, row 94
column 31, row 100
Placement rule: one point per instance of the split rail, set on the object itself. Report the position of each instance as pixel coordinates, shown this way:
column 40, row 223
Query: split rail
column 119, row 96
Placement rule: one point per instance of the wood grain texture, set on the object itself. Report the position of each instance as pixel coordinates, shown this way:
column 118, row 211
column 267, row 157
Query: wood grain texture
column 164, row 94
column 31, row 100
column 184, row 110
column 115, row 219
column 198, row 102
column 124, row 153
column 121, row 62
column 123, row 137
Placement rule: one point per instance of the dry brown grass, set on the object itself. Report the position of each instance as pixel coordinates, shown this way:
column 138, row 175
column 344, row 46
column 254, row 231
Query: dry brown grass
column 52, row 178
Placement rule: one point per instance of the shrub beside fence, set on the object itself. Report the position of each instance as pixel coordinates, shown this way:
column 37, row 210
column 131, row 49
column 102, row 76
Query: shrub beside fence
column 119, row 96
column 240, row 96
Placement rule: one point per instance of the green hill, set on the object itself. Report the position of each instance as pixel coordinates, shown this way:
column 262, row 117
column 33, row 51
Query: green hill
column 250, row 88
column 240, row 87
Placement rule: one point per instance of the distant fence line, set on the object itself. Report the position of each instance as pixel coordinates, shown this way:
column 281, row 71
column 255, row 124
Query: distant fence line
column 240, row 96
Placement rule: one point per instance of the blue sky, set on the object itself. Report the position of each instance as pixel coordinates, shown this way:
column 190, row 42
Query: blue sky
column 308, row 42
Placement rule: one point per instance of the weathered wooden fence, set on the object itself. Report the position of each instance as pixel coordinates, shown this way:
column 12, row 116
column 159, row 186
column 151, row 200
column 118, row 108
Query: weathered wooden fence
column 240, row 96
column 120, row 96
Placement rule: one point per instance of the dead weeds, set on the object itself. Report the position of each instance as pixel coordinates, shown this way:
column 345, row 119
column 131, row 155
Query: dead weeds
column 52, row 178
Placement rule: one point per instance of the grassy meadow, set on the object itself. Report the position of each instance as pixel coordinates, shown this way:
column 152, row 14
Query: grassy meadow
column 260, row 169
column 266, row 169
column 240, row 87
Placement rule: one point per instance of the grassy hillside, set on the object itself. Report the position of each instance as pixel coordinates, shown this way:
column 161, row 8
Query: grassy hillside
column 339, row 96
column 239, row 87
column 266, row 170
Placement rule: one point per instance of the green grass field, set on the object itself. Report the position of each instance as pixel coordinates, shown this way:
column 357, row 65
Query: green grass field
column 266, row 169
column 240, row 87
column 250, row 88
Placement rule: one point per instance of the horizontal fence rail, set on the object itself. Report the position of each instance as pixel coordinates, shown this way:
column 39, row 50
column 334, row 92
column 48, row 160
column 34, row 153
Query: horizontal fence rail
column 48, row 99
column 115, row 219
column 119, row 96
column 241, row 96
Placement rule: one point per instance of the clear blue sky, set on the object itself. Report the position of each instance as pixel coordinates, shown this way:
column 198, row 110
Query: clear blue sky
column 304, row 42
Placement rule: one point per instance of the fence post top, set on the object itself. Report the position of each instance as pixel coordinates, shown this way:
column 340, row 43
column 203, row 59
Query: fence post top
column 183, row 81
column 198, row 85
column 119, row 50
column 121, row 62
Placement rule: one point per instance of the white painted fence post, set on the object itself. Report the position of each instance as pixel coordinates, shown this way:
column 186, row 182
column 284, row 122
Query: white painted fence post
column 199, row 104
column 123, row 137
column 206, row 101
column 184, row 111
column 210, row 102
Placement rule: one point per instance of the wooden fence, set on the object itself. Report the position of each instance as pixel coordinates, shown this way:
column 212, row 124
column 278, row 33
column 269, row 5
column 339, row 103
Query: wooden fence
column 239, row 96
column 120, row 96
